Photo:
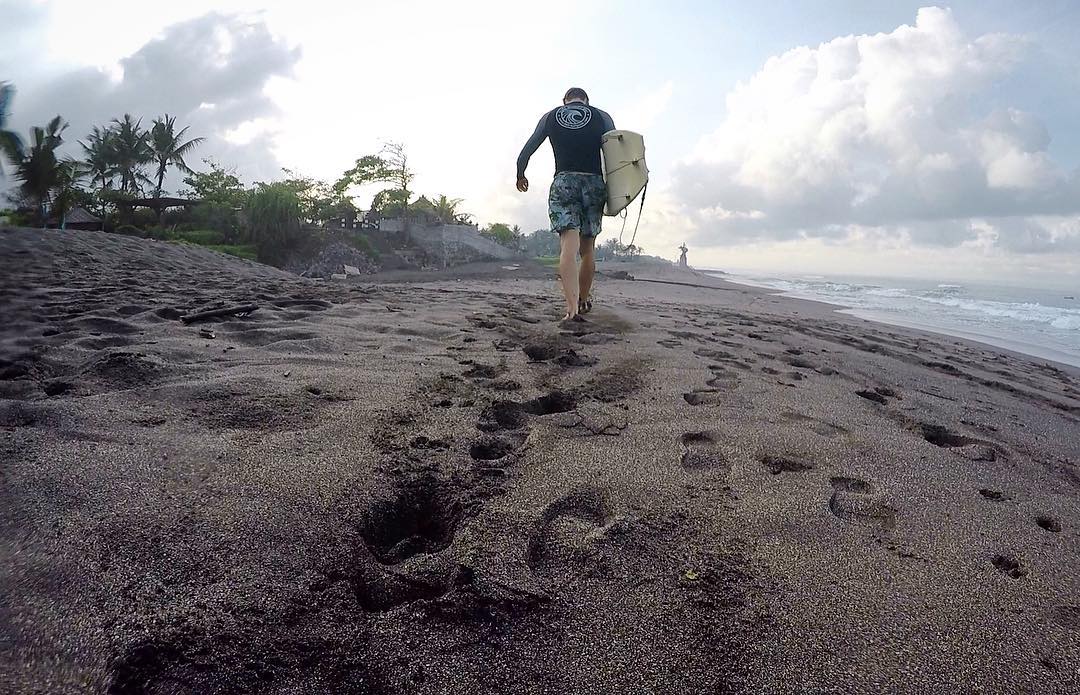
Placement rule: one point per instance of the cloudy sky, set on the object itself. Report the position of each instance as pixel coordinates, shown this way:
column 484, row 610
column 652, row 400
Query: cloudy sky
column 834, row 136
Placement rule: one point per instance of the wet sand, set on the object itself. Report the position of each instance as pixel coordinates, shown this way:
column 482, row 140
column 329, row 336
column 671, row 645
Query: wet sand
column 396, row 486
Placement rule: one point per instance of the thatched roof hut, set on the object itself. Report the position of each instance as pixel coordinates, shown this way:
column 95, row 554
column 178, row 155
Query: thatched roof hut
column 78, row 218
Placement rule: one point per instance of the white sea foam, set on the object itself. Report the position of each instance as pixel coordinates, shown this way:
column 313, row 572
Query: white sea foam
column 1016, row 315
column 1067, row 319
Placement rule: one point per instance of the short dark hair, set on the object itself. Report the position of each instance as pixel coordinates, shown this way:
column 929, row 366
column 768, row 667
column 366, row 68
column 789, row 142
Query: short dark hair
column 576, row 93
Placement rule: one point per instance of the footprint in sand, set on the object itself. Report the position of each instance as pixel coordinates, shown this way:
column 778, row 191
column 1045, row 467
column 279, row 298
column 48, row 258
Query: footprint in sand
column 427, row 444
column 57, row 387
column 541, row 349
column 485, row 323
column 511, row 415
column 420, row 518
column 565, row 537
column 403, row 536
column 1067, row 617
column 1048, row 523
column 502, row 415
column 704, row 397
column 854, row 500
column 483, row 371
column 493, row 454
column 1010, row 566
column 786, row 464
column 700, row 452
column 571, row 358
column 492, row 449
column 721, row 378
column 551, row 403
column 968, row 447
column 717, row 355
column 821, row 427
column 941, row 436
column 873, row 396
column 124, row 370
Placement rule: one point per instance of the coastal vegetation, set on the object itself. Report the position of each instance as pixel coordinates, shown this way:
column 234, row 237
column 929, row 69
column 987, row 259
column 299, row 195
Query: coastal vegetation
column 116, row 181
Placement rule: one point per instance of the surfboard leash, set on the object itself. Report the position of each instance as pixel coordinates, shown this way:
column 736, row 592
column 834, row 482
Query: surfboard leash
column 625, row 215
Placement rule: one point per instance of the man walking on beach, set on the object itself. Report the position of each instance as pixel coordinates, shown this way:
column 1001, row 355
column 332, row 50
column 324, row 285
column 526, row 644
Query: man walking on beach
column 577, row 196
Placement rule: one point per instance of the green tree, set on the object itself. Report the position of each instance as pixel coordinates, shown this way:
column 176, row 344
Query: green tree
column 66, row 193
column 390, row 165
column 273, row 217
column 396, row 162
column 319, row 201
column 502, row 234
column 222, row 197
column 542, row 242
column 389, row 203
column 99, row 160
column 168, row 149
column 446, row 209
column 368, row 169
column 36, row 167
column 218, row 185
column 132, row 149
column 613, row 249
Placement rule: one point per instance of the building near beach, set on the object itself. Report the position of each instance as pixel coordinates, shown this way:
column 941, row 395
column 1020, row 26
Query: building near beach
column 78, row 218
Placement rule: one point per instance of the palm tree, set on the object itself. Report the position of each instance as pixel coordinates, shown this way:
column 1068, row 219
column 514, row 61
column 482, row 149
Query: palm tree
column 100, row 159
column 7, row 138
column 65, row 189
column 446, row 209
column 37, row 168
column 167, row 149
column 132, row 153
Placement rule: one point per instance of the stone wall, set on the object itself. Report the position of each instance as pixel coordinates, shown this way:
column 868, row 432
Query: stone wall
column 454, row 244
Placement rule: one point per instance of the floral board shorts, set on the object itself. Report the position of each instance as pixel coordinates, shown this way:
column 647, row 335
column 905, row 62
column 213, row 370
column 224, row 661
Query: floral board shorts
column 576, row 201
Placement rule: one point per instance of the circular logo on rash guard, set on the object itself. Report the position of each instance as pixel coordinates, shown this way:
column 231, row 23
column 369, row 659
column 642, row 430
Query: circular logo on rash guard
column 573, row 116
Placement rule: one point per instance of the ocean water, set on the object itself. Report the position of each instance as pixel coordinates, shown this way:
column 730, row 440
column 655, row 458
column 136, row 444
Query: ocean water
column 1040, row 322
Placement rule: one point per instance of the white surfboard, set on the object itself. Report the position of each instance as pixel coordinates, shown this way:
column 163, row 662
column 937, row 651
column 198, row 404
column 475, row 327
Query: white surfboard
column 624, row 168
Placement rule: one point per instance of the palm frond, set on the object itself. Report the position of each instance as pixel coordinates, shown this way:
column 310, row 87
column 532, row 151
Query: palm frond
column 12, row 146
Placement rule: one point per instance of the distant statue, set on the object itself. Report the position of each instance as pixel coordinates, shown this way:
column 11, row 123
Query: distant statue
column 682, row 258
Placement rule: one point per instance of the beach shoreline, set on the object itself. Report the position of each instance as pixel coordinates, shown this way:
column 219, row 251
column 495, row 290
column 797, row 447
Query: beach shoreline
column 1006, row 344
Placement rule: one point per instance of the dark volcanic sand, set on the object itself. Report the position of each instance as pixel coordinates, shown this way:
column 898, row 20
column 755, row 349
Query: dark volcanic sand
column 432, row 488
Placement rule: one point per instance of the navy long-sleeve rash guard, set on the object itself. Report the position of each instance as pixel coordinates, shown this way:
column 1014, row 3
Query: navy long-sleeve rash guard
column 575, row 131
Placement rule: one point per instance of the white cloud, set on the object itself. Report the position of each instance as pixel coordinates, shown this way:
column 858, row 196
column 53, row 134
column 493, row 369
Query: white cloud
column 879, row 132
column 246, row 132
column 211, row 72
column 641, row 113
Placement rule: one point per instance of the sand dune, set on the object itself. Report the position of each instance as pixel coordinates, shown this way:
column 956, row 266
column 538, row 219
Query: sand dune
column 429, row 487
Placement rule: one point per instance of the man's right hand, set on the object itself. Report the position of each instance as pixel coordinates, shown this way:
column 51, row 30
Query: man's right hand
column 522, row 184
